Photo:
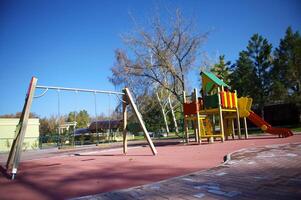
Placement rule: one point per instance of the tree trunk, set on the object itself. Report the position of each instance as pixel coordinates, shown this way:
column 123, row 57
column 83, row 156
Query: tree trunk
column 173, row 116
column 164, row 115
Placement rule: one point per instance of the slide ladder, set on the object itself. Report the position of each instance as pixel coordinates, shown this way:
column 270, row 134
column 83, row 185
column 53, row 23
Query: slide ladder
column 266, row 127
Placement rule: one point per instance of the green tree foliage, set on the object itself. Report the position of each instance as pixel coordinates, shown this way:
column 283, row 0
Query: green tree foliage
column 44, row 126
column 82, row 118
column 257, row 62
column 287, row 68
column 221, row 69
column 48, row 125
column 153, row 118
column 242, row 76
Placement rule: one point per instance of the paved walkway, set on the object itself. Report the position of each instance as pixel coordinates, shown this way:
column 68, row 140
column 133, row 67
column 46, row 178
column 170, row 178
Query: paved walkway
column 54, row 151
column 270, row 172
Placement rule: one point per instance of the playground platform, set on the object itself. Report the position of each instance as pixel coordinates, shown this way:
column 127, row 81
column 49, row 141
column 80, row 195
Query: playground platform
column 65, row 176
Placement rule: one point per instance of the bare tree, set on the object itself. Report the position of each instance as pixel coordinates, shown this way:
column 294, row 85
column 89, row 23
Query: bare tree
column 161, row 97
column 162, row 52
column 162, row 55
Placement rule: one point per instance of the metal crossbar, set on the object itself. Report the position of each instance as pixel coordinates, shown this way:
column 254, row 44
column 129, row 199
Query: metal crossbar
column 78, row 90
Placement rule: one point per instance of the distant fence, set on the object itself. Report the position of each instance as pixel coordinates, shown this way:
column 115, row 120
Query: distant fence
column 65, row 140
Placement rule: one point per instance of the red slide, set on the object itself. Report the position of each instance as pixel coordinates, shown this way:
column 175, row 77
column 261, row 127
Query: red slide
column 259, row 122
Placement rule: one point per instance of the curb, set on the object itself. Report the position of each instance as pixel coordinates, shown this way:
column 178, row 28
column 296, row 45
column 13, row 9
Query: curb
column 228, row 157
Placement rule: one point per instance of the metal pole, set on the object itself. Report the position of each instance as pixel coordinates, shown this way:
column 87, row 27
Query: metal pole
column 74, row 127
column 78, row 89
column 59, row 117
column 124, row 116
column 95, row 109
column 111, row 136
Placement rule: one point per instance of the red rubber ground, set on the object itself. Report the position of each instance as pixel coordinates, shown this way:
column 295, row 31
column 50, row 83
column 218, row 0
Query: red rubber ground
column 71, row 176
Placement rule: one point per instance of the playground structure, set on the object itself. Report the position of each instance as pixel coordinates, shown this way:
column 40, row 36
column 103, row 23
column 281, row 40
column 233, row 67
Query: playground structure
column 219, row 106
column 16, row 148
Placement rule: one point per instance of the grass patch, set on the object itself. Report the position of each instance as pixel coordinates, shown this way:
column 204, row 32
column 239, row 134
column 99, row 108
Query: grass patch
column 296, row 129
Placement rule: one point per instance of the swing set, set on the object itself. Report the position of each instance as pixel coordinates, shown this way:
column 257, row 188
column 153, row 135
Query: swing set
column 66, row 126
column 13, row 160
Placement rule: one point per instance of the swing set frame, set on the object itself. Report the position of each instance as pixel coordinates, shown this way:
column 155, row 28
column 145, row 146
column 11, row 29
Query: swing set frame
column 13, row 160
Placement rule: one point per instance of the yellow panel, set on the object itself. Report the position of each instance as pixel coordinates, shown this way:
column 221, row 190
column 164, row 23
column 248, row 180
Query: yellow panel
column 230, row 97
column 244, row 106
column 235, row 100
column 225, row 99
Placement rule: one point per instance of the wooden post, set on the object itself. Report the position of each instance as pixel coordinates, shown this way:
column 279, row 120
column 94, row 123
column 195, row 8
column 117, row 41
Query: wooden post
column 185, row 120
column 194, row 123
column 221, row 121
column 233, row 129
column 16, row 149
column 213, row 122
column 226, row 127
column 124, row 115
column 246, row 128
column 238, row 120
column 198, row 125
column 139, row 117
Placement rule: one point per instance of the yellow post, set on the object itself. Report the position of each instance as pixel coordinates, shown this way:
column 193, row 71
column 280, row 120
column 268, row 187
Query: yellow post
column 198, row 125
column 194, row 121
column 221, row 121
column 238, row 121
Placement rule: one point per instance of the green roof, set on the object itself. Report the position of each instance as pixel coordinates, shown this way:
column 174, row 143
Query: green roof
column 214, row 78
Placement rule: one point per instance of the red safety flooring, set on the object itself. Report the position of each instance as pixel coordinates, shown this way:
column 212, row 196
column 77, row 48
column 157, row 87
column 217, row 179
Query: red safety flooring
column 68, row 176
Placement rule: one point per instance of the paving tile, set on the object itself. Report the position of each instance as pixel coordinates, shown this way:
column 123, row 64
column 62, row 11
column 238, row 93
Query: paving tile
column 271, row 172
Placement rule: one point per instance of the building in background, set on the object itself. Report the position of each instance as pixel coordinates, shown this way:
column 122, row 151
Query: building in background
column 7, row 133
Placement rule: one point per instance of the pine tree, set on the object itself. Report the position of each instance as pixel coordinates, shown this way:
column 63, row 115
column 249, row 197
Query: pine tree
column 287, row 68
column 242, row 76
column 221, row 69
column 252, row 73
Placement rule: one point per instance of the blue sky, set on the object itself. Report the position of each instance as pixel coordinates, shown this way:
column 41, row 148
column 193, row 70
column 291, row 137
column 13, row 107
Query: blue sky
column 71, row 42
